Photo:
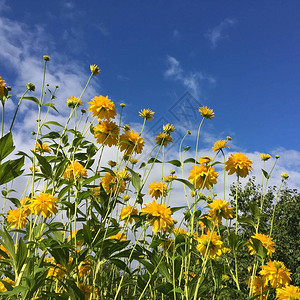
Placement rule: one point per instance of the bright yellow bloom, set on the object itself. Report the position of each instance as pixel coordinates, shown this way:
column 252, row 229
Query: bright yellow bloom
column 219, row 145
column 284, row 176
column 159, row 216
column 191, row 276
column 210, row 244
column 163, row 139
column 226, row 250
column 42, row 149
column 95, row 70
column 276, row 273
column 113, row 183
column 225, row 277
column 86, row 290
column 146, row 114
column 127, row 212
column 2, row 85
column 238, row 163
column 169, row 178
column 202, row 176
column 131, row 142
column 219, row 209
column 85, row 268
column 258, row 287
column 9, row 281
column 119, row 236
column 56, row 270
column 206, row 112
column 102, row 108
column 24, row 205
column 205, row 160
column 74, row 101
column 17, row 218
column 107, row 133
column 168, row 128
column 75, row 170
column 288, row 292
column 178, row 231
column 133, row 161
column 266, row 242
column 157, row 189
column 44, row 204
column 265, row 157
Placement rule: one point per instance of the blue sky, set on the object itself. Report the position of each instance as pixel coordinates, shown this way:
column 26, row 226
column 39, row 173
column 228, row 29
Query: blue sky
column 240, row 58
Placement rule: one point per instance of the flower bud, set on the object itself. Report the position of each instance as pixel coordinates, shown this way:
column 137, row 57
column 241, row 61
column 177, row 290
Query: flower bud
column 30, row 86
column 46, row 58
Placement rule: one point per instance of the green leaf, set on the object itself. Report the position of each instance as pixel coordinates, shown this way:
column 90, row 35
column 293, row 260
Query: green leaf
column 247, row 221
column 90, row 179
column 233, row 239
column 10, row 170
column 35, row 100
column 186, row 182
column 6, row 146
column 175, row 162
column 136, row 180
column 8, row 244
column 45, row 166
column 255, row 211
column 266, row 174
column 54, row 123
column 190, row 160
column 260, row 250
column 21, row 254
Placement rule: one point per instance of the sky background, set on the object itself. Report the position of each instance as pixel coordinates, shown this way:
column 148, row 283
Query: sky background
column 240, row 58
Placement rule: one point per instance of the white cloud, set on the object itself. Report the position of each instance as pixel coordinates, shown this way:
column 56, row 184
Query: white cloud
column 176, row 33
column 192, row 80
column 216, row 34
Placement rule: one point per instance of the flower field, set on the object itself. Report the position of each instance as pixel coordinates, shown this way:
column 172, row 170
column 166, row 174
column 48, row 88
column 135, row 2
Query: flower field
column 83, row 228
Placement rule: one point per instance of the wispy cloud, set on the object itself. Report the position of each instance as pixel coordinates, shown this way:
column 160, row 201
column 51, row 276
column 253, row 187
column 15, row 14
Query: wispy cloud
column 216, row 34
column 192, row 80
column 176, row 33
column 102, row 29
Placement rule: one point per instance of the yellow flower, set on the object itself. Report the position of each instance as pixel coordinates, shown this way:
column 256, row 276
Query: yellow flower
column 46, row 57
column 169, row 178
column 178, row 231
column 56, row 270
column 85, row 268
column 219, row 145
column 86, row 290
column 159, row 216
column 163, row 139
column 9, row 281
column 127, row 212
column 219, row 209
column 42, row 149
column 205, row 160
column 157, row 189
column 102, row 108
column 168, row 128
column 206, row 113
column 146, row 114
column 258, row 287
column 131, row 142
column 107, row 133
column 203, row 176
column 44, row 204
column 225, row 277
column 112, row 163
column 133, row 161
column 191, row 276
column 238, row 163
column 74, row 101
column 119, row 236
column 284, row 176
column 75, row 170
column 2, row 85
column 288, row 292
column 17, row 218
column 265, row 157
column 210, row 244
column 113, row 183
column 95, row 70
column 226, row 250
column 276, row 273
column 266, row 242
